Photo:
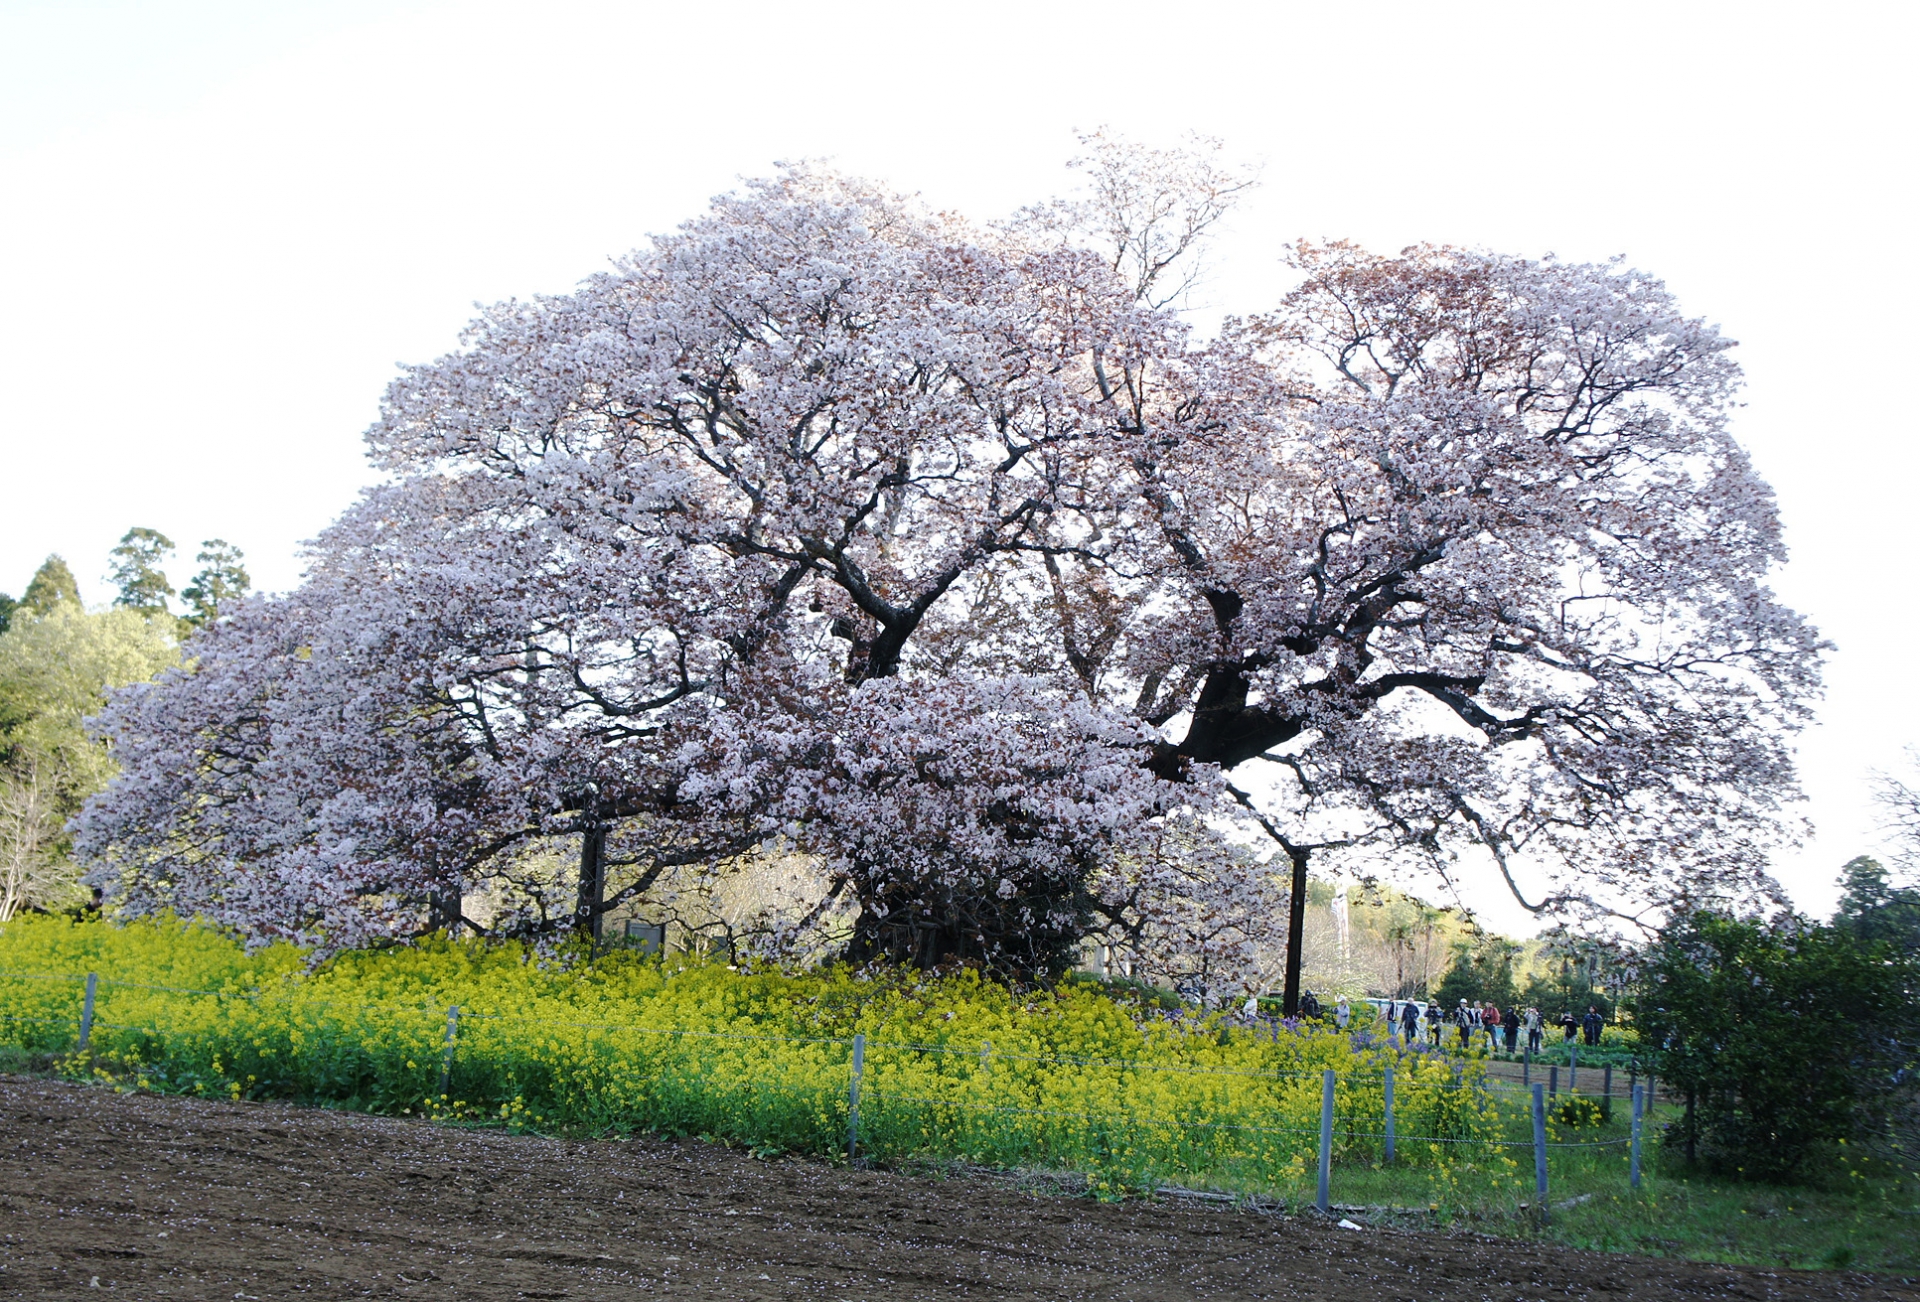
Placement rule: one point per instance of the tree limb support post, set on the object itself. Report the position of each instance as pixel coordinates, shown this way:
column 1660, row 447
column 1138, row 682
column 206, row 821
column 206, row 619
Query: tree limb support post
column 1296, row 928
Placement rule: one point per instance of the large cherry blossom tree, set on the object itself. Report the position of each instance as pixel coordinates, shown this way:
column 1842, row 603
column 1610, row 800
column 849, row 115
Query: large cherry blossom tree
column 947, row 556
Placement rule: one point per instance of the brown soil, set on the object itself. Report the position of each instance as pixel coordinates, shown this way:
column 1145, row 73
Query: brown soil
column 163, row 1197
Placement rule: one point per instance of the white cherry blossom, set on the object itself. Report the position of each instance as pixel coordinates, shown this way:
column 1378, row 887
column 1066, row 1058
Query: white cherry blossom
column 940, row 553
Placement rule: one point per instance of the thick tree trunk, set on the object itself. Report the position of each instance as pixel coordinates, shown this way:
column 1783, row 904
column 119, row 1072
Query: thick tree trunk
column 593, row 882
column 443, row 910
column 1034, row 936
column 1296, row 930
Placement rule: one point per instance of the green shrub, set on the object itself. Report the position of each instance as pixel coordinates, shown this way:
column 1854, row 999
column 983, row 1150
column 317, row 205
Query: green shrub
column 1578, row 1112
column 1781, row 1036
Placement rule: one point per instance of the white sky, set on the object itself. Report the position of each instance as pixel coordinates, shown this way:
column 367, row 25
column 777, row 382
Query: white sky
column 222, row 224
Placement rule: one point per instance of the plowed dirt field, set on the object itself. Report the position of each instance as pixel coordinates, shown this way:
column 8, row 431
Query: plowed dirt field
column 153, row 1197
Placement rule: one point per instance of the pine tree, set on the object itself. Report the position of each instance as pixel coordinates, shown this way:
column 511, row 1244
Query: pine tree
column 52, row 584
column 1873, row 907
column 137, row 573
column 222, row 578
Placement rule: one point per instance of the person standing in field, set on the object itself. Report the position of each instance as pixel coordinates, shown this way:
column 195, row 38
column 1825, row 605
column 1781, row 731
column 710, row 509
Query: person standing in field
column 1533, row 1030
column 1591, row 1025
column 1568, row 1026
column 1463, row 1022
column 1342, row 1013
column 1512, row 1022
column 1409, row 1021
column 1433, row 1024
column 1393, row 1021
column 1490, row 1018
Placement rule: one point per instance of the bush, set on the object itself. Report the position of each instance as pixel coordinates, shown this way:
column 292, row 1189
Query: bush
column 1781, row 1036
column 1579, row 1113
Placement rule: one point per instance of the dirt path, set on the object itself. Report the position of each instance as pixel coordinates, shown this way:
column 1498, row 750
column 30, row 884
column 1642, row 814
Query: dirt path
column 160, row 1197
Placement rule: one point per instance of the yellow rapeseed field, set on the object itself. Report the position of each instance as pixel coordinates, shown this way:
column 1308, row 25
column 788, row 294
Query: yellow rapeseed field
column 954, row 1067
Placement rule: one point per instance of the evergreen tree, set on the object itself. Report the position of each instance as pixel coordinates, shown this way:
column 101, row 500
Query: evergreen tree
column 1571, row 982
column 222, row 578
column 137, row 573
column 1783, row 1036
column 1873, row 908
column 7, row 606
column 51, row 585
column 1482, row 972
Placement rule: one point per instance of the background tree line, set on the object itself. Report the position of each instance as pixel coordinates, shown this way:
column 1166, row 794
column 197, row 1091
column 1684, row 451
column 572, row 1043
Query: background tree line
column 1793, row 1042
column 58, row 660
column 1369, row 939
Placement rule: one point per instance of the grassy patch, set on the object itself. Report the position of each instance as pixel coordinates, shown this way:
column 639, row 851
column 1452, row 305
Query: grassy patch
column 1862, row 1212
column 16, row 1061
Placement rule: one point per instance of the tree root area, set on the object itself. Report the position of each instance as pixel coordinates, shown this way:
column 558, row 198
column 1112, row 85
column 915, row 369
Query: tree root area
column 157, row 1197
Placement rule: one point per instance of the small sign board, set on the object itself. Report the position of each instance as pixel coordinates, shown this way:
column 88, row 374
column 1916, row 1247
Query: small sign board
column 647, row 937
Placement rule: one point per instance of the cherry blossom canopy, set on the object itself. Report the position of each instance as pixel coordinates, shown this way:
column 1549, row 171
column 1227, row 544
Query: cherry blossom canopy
column 946, row 556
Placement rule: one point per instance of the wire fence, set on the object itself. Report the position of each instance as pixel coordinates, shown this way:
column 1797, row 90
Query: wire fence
column 849, row 1095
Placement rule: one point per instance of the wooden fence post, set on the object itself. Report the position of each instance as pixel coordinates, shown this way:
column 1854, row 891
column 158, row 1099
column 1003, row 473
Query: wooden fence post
column 86, row 1010
column 1633, row 1163
column 446, row 1050
column 1326, row 1139
column 1389, row 1110
column 853, row 1095
column 1606, row 1092
column 1540, row 1151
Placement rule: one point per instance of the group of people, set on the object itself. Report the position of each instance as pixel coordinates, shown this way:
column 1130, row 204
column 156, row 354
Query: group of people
column 1470, row 1021
column 1503, row 1028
